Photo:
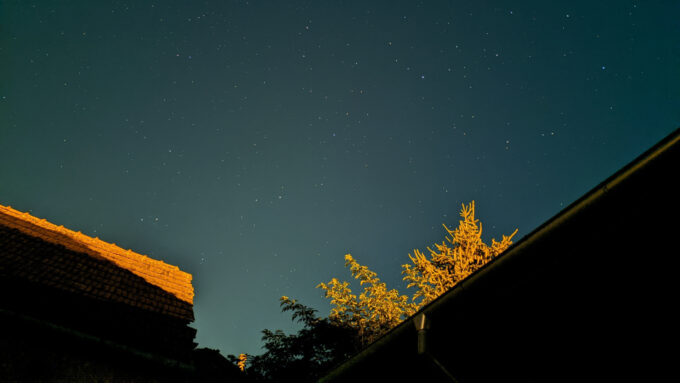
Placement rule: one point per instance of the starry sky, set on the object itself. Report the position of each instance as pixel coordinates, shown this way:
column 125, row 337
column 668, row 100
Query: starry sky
column 255, row 143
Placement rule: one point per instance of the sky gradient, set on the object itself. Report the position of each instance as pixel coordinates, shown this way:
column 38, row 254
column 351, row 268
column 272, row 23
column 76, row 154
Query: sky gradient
column 255, row 143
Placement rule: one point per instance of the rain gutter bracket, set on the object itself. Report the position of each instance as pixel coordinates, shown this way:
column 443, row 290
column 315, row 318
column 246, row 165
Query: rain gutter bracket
column 422, row 325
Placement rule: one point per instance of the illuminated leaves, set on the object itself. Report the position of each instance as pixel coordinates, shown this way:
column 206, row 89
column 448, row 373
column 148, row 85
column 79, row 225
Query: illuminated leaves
column 377, row 309
column 453, row 260
column 242, row 358
column 374, row 311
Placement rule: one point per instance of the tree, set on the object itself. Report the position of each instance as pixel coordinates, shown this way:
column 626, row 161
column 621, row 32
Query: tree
column 453, row 261
column 356, row 321
column 304, row 356
column 377, row 309
column 242, row 359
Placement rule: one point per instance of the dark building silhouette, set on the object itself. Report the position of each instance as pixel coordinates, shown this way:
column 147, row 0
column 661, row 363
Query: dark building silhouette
column 590, row 295
column 76, row 308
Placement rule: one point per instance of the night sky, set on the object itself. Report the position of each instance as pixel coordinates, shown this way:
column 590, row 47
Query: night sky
column 255, row 143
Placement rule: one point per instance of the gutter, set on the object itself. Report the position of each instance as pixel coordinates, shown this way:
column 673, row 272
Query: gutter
column 517, row 251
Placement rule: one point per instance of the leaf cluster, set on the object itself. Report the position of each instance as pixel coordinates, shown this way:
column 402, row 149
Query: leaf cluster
column 356, row 321
column 374, row 311
column 377, row 309
column 462, row 253
column 304, row 356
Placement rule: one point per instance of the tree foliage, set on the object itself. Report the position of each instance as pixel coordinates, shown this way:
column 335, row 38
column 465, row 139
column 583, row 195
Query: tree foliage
column 356, row 321
column 242, row 359
column 378, row 309
column 306, row 355
column 452, row 262
column 374, row 311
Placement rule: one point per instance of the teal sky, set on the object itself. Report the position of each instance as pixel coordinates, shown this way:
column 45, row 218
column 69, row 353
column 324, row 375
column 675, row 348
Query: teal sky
column 255, row 143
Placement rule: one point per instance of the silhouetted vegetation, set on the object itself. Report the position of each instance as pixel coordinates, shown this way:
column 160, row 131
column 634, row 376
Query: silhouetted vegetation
column 304, row 356
column 356, row 321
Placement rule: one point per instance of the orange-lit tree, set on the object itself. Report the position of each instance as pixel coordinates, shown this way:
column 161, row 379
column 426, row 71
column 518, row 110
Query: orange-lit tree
column 374, row 311
column 378, row 309
column 454, row 259
column 354, row 320
column 242, row 359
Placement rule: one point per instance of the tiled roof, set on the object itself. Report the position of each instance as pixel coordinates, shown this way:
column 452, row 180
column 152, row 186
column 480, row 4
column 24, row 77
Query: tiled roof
column 36, row 250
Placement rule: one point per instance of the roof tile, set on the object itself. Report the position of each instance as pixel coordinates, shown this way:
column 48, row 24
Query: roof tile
column 28, row 249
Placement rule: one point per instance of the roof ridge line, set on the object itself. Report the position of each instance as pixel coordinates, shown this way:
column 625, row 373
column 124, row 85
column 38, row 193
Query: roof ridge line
column 167, row 277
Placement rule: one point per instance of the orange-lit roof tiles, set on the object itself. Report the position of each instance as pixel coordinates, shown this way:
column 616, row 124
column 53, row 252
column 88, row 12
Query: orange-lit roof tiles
column 167, row 277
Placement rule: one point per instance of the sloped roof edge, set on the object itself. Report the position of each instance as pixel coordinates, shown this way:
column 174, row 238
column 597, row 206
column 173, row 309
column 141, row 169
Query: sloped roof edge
column 158, row 273
column 517, row 250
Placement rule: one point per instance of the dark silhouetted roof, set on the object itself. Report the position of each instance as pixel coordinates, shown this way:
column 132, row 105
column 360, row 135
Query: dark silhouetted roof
column 590, row 295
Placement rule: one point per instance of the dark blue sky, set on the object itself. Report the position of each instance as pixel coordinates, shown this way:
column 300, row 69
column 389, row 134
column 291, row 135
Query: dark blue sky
column 253, row 144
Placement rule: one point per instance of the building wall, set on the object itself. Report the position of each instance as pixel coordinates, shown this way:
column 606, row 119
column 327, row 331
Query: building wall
column 37, row 351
